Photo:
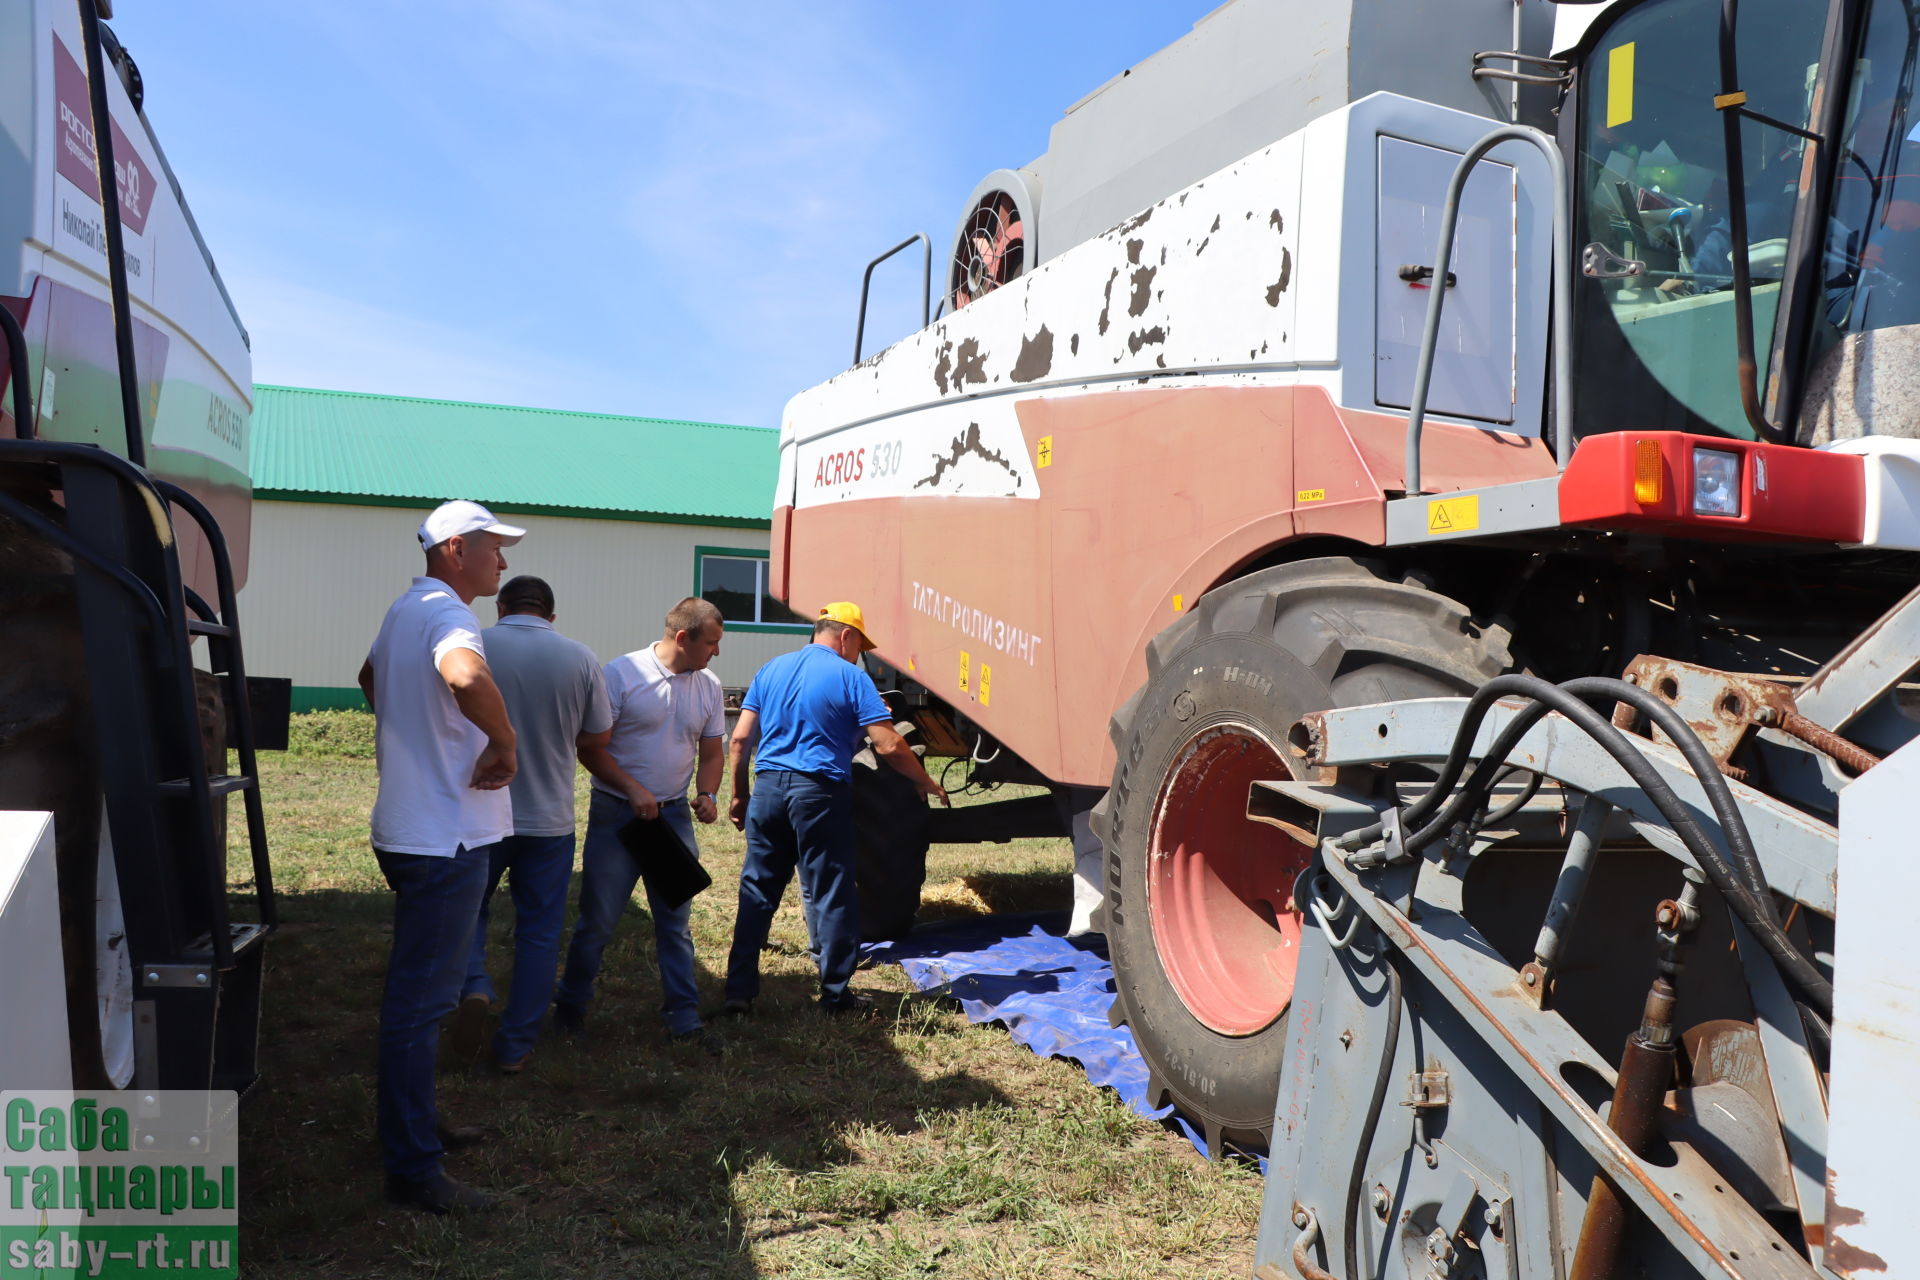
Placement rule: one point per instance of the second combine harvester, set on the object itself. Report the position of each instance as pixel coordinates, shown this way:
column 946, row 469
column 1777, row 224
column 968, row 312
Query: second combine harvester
column 1192, row 457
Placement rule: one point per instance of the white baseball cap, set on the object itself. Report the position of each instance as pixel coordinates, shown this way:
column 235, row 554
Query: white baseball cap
column 452, row 519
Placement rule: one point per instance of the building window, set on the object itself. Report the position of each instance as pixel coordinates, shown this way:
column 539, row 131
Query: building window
column 736, row 582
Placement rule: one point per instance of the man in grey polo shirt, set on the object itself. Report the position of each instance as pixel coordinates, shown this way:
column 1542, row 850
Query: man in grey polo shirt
column 557, row 700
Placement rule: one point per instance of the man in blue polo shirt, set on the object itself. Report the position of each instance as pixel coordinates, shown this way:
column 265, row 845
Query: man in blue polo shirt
column 809, row 710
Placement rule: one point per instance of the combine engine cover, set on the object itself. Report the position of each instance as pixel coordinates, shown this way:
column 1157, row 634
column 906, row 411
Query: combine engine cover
column 1044, row 479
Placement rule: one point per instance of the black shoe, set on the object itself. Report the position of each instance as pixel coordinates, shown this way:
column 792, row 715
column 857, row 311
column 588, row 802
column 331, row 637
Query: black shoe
column 705, row 1037
column 436, row 1194
column 737, row 1008
column 459, row 1137
column 467, row 1029
column 849, row 1003
column 569, row 1019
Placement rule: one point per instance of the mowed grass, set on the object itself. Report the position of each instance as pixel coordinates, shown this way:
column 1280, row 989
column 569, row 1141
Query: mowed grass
column 912, row 1144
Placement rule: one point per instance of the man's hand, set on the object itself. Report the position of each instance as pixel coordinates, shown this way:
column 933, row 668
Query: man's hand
column 706, row 808
column 737, row 812
column 645, row 803
column 932, row 790
column 495, row 767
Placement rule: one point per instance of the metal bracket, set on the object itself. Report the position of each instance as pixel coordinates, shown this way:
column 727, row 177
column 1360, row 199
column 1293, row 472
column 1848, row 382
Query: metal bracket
column 1597, row 262
column 177, row 975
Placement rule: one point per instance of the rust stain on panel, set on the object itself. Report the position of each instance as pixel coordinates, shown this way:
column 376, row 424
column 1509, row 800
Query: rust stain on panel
column 966, row 444
column 1841, row 1257
column 1142, row 281
column 1036, row 357
column 1279, row 286
column 969, row 364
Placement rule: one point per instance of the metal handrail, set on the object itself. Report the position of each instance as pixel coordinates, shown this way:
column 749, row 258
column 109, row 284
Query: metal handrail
column 237, row 680
column 926, row 287
column 1562, row 337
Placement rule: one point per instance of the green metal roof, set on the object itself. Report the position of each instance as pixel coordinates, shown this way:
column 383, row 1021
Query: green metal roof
column 349, row 447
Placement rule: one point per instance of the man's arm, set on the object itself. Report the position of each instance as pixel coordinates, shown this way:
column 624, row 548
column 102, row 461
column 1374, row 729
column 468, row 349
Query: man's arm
column 706, row 779
column 479, row 700
column 594, row 754
column 892, row 748
column 746, row 731
column 366, row 680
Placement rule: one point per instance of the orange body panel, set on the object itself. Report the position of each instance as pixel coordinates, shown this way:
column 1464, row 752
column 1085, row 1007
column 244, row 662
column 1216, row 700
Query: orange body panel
column 1147, row 499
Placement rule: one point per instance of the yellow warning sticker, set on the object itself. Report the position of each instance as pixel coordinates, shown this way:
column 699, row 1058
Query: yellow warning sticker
column 1179, row 603
column 966, row 669
column 1620, row 85
column 1453, row 515
column 986, row 684
column 1310, row 495
column 1043, row 452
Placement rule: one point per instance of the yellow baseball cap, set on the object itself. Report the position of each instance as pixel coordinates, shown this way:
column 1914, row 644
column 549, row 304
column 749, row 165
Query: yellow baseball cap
column 845, row 611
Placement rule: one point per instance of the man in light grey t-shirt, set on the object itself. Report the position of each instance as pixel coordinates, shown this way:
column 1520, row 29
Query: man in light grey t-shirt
column 669, row 723
column 557, row 700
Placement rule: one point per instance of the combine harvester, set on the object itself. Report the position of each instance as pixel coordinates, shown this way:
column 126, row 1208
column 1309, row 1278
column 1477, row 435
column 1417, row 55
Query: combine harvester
column 124, row 514
column 1434, row 484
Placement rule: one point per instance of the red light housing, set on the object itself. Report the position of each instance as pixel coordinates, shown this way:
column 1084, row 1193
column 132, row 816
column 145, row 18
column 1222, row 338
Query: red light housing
column 1784, row 493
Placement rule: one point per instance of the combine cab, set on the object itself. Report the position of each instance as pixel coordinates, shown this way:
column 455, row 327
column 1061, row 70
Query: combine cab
column 1444, row 515
column 124, row 499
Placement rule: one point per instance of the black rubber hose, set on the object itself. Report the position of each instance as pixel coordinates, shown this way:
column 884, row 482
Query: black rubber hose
column 1383, row 1077
column 1719, row 795
column 1515, row 805
column 17, row 372
column 1754, row 909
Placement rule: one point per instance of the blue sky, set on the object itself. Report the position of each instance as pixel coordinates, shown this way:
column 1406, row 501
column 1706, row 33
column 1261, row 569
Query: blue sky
column 588, row 204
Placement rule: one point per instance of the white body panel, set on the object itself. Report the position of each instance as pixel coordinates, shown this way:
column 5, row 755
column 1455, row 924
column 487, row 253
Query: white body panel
column 1268, row 272
column 33, row 999
column 1876, row 1027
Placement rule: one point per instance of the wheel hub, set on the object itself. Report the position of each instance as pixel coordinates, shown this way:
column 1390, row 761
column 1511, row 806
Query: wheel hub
column 1219, row 886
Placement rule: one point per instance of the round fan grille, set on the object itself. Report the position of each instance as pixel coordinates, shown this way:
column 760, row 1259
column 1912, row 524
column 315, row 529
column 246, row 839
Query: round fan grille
column 992, row 249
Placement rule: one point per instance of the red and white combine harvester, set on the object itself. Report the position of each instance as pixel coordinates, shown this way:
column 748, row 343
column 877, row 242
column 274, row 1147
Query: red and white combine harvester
column 1433, row 487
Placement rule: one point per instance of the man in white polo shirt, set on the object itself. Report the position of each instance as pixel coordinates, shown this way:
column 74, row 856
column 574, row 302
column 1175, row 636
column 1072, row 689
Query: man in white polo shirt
column 446, row 754
column 669, row 719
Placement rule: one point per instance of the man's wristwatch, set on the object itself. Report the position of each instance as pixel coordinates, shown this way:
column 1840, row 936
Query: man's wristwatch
column 708, row 795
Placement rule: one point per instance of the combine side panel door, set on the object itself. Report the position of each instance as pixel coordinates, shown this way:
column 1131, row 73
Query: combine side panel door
column 1473, row 374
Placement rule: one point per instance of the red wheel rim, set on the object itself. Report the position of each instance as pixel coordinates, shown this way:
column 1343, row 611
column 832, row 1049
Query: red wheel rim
column 1219, row 887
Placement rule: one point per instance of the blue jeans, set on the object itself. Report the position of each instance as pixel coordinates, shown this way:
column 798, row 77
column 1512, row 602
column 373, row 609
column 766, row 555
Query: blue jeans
column 435, row 904
column 539, row 869
column 798, row 820
column 607, row 876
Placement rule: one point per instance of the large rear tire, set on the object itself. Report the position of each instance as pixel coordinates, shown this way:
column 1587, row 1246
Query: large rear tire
column 1198, row 916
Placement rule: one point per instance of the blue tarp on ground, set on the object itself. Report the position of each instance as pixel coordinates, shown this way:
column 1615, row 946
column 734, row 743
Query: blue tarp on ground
column 1052, row 993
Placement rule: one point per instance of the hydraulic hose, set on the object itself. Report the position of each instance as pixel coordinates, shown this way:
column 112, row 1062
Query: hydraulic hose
column 1383, row 1077
column 1752, row 906
column 17, row 374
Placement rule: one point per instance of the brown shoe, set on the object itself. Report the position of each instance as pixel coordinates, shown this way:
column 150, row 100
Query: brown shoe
column 467, row 1030
column 516, row 1066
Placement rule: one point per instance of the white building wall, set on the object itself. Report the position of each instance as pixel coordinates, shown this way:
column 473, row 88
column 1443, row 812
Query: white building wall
column 322, row 575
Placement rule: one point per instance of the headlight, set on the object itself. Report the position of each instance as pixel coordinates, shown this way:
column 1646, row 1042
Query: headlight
column 1716, row 482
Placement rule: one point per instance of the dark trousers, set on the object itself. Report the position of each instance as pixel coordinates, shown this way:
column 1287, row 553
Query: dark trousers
column 798, row 819
column 538, row 870
column 435, row 906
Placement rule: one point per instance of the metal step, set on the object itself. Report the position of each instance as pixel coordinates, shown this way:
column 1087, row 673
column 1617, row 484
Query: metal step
column 219, row 784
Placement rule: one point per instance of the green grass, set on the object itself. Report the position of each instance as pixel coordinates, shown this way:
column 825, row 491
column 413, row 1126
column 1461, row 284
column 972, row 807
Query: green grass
column 912, row 1144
